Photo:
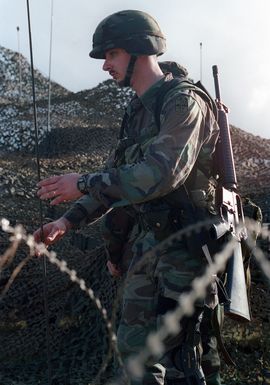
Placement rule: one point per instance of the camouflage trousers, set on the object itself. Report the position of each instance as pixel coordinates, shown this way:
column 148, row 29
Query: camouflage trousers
column 150, row 291
column 210, row 357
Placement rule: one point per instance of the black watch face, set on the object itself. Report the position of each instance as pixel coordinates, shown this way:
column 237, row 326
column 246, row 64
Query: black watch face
column 81, row 184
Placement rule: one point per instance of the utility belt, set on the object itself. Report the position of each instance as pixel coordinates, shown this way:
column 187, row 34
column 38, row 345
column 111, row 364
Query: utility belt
column 173, row 212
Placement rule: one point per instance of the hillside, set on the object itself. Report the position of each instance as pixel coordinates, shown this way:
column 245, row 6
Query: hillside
column 15, row 79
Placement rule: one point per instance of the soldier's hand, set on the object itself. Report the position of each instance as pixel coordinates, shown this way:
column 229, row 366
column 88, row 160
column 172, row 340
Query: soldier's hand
column 61, row 188
column 52, row 232
column 114, row 269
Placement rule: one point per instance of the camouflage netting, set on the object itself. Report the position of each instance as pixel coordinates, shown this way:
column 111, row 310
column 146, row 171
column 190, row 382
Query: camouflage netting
column 78, row 335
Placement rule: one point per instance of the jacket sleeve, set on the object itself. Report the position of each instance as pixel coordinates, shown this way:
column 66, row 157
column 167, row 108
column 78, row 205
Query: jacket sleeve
column 85, row 210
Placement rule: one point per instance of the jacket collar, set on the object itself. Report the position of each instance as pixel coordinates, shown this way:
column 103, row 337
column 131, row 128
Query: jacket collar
column 148, row 98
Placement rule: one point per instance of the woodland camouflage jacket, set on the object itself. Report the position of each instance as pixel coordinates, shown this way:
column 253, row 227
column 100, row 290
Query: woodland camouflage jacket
column 149, row 163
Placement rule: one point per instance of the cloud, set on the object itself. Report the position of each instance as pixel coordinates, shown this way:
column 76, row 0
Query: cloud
column 259, row 99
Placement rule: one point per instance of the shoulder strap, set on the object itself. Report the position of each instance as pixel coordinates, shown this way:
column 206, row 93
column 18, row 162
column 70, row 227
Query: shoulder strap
column 125, row 119
column 164, row 89
column 204, row 94
column 186, row 84
column 123, row 125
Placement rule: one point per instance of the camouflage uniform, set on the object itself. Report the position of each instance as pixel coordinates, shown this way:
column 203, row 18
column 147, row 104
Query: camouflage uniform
column 150, row 164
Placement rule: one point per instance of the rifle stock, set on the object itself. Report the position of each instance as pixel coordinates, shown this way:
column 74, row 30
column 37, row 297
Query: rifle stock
column 231, row 212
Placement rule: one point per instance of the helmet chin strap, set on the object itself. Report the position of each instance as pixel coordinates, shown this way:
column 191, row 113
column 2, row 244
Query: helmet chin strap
column 129, row 72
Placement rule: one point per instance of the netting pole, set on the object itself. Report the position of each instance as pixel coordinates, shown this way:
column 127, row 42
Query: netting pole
column 201, row 69
column 49, row 83
column 44, row 265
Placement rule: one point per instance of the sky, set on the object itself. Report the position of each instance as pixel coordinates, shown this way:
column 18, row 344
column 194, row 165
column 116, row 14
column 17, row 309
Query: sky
column 233, row 34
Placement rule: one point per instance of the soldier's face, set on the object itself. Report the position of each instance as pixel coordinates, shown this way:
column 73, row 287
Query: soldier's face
column 116, row 63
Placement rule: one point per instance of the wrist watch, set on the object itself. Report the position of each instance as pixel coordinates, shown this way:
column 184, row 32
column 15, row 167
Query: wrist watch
column 82, row 184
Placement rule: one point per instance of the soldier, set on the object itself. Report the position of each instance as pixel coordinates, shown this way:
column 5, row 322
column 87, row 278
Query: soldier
column 115, row 230
column 160, row 176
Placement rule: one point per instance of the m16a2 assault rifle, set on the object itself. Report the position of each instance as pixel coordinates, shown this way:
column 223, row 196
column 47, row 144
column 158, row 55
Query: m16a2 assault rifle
column 231, row 212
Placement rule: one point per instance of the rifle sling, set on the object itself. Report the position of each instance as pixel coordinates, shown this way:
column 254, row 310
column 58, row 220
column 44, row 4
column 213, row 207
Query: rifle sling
column 216, row 327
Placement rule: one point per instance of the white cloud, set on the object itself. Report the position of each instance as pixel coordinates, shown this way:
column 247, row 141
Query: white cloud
column 259, row 99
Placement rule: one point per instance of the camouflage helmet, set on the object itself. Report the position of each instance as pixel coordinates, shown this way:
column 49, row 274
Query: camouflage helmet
column 134, row 31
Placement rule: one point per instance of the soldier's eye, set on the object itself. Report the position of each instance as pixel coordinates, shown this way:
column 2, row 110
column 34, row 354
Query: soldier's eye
column 113, row 54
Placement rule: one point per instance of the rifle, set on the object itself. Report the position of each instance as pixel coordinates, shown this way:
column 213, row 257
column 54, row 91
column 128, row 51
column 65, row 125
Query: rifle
column 231, row 212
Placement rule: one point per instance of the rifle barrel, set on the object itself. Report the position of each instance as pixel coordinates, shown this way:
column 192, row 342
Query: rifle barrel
column 216, row 82
column 225, row 153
